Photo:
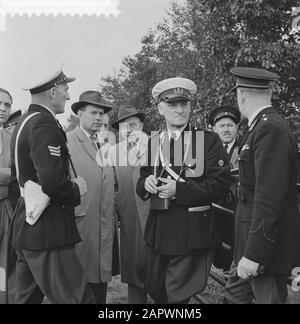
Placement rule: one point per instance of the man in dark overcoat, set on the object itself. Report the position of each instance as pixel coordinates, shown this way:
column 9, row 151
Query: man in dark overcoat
column 225, row 121
column 267, row 220
column 47, row 264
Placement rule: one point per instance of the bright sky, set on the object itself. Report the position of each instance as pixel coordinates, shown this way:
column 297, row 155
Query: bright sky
column 91, row 47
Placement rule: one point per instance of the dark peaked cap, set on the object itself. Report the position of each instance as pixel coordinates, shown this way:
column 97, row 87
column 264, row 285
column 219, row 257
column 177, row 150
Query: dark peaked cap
column 224, row 112
column 253, row 78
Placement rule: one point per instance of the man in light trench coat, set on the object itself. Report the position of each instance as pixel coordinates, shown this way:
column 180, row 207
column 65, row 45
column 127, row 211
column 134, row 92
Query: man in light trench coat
column 94, row 216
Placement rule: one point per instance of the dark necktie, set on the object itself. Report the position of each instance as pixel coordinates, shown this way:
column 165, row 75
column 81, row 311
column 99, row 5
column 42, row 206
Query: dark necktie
column 226, row 148
column 172, row 145
column 94, row 141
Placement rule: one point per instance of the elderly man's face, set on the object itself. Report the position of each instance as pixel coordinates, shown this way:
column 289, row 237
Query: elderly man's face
column 5, row 107
column 129, row 126
column 105, row 123
column 226, row 129
column 91, row 118
column 176, row 113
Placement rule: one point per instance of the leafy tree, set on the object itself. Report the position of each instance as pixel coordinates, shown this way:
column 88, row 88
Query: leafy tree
column 73, row 122
column 202, row 40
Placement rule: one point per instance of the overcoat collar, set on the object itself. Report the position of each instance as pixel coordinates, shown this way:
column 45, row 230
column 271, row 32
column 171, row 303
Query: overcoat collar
column 86, row 143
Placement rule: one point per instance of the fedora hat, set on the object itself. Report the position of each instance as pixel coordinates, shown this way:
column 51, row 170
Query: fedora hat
column 126, row 112
column 91, row 98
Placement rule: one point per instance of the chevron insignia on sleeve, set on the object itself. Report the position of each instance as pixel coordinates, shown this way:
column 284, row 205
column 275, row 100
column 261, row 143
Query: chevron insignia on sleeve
column 54, row 151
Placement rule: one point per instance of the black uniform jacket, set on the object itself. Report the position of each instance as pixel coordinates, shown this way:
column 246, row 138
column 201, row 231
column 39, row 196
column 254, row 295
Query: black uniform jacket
column 178, row 231
column 43, row 157
column 223, row 257
column 267, row 220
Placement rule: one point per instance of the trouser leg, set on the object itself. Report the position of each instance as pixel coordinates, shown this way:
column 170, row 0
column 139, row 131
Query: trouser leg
column 187, row 276
column 260, row 290
column 152, row 268
column 269, row 290
column 60, row 276
column 8, row 256
column 136, row 295
column 237, row 290
column 27, row 290
column 100, row 291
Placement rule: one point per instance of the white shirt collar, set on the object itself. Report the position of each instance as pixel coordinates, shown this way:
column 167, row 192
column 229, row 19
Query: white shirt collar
column 177, row 132
column 252, row 117
column 52, row 113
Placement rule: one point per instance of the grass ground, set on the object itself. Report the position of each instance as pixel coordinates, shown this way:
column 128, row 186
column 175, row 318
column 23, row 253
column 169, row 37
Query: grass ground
column 117, row 293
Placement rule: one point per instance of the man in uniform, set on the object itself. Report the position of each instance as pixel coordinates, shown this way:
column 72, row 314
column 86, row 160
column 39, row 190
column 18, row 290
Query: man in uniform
column 126, row 157
column 13, row 120
column 267, row 222
column 94, row 216
column 187, row 171
column 47, row 264
column 225, row 121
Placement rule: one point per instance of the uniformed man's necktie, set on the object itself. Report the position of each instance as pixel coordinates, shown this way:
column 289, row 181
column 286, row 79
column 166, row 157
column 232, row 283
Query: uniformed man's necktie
column 226, row 147
column 172, row 145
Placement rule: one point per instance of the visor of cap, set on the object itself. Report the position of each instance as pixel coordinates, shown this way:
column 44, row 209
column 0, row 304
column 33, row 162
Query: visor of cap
column 175, row 94
column 252, row 83
column 224, row 115
column 60, row 79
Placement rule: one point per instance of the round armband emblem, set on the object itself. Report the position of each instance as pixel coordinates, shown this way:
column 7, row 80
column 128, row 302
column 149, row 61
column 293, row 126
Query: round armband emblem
column 221, row 163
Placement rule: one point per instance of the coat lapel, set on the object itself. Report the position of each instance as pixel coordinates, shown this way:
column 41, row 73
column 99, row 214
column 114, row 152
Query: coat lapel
column 86, row 143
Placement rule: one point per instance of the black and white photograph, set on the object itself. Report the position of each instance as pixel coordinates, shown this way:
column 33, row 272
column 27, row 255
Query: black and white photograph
column 150, row 154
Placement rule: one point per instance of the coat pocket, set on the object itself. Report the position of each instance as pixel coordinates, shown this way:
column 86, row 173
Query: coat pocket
column 203, row 231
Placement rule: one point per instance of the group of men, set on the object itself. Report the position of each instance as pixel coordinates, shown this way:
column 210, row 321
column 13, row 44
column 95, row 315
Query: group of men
column 160, row 190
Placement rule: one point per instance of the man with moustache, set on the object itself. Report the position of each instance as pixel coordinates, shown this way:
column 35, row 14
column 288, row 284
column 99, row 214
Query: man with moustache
column 225, row 120
column 187, row 171
column 47, row 264
column 94, row 216
column 127, row 158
